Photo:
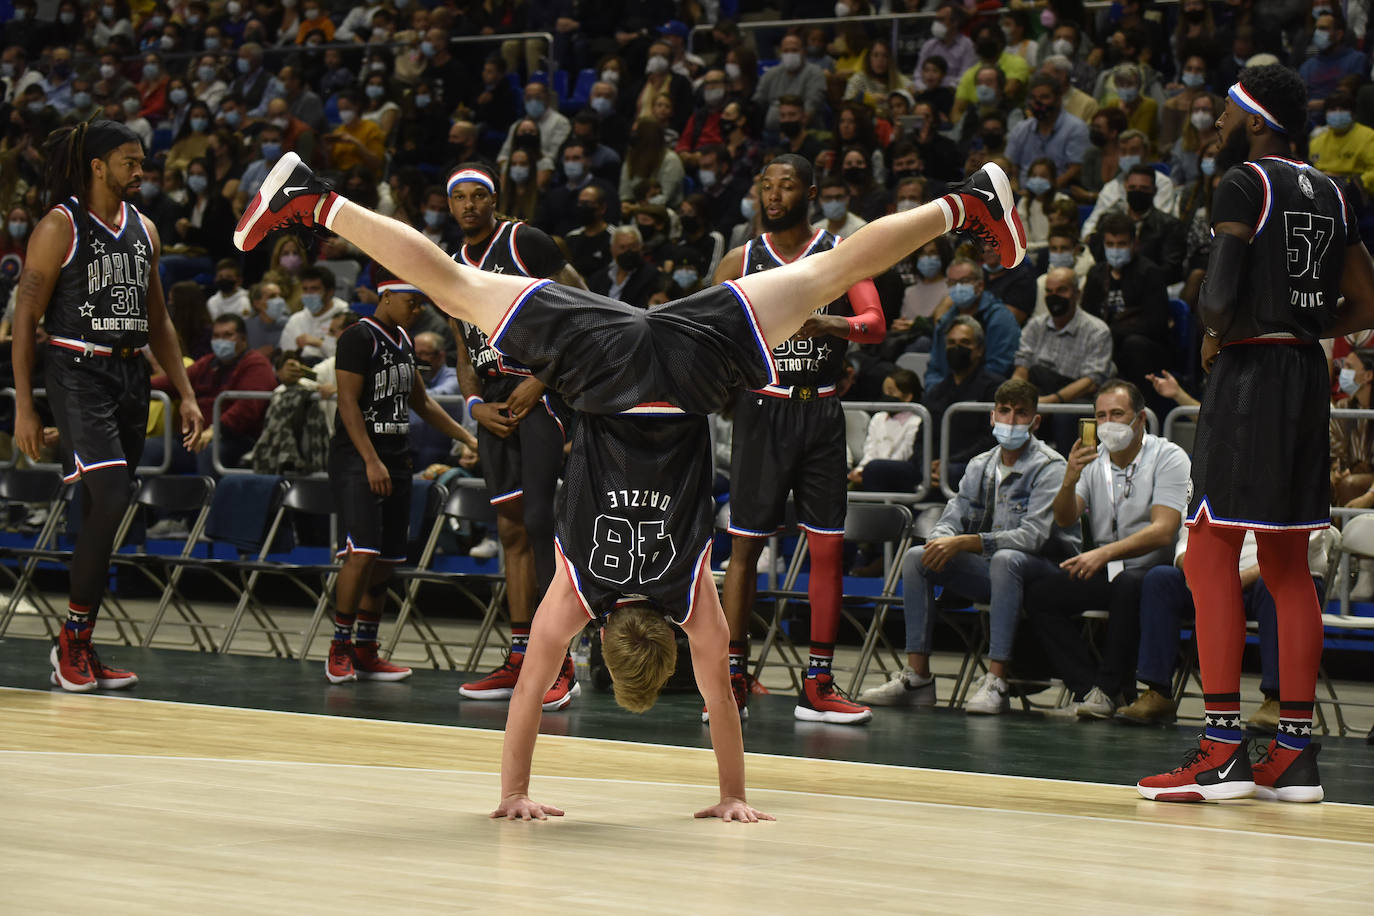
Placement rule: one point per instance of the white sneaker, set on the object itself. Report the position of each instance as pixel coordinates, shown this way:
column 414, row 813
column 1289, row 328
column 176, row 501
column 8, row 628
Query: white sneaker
column 1096, row 705
column 485, row 550
column 990, row 698
column 168, row 528
column 904, row 688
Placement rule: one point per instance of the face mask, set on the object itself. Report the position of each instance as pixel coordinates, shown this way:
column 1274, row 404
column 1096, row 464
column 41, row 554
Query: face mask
column 1118, row 257
column 833, row 209
column 928, row 265
column 198, row 125
column 656, row 65
column 1348, row 383
column 347, row 115
column 434, row 218
column 226, row 285
column 1208, row 166
column 907, row 204
column 611, row 76
column 707, row 177
column 987, row 49
column 959, row 358
column 178, row 96
column 7, row 70
column 107, row 71
column 1127, row 94
column 1038, row 184
column 995, row 140
column 938, row 30
column 224, row 349
column 193, row 20
column 1040, row 112
column 1063, row 47
column 727, row 126
column 150, row 71
column 1058, row 306
column 602, row 105
column 790, row 129
column 197, row 183
column 1321, row 39
column 1201, row 120
column 81, row 99
column 312, row 302
column 1116, row 436
column 1097, row 138
column 244, row 64
column 732, row 71
column 212, row 43
column 1140, row 201
column 1061, row 259
column 233, row 7
column 206, row 74
column 685, row 277
column 1126, row 163
column 17, row 229
column 377, row 66
column 519, row 173
column 856, row 174
column 713, row 96
column 130, row 106
column 586, row 214
column 841, row 10
column 574, row 170
column 290, row 262
column 986, row 94
column 962, row 294
column 629, row 261
column 1339, row 120
column 792, row 61
column 375, row 91
column 37, row 107
column 1194, row 80
column 276, row 308
column 427, row 48
column 157, row 22
column 312, row 14
column 422, row 100
column 748, row 208
column 1011, row 436
column 535, row 108
column 166, row 42
column 233, row 118
column 107, row 13
column 270, row 151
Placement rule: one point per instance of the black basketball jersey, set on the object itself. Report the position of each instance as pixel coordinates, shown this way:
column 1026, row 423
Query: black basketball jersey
column 387, row 365
column 635, row 511
column 101, row 295
column 817, row 362
column 1297, row 252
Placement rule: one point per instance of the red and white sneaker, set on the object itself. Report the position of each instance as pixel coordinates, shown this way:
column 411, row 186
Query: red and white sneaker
column 290, row 195
column 71, row 661
column 564, row 689
column 107, row 677
column 985, row 207
column 739, row 686
column 821, row 701
column 369, row 666
column 339, row 668
column 1284, row 774
column 1212, row 771
column 500, row 684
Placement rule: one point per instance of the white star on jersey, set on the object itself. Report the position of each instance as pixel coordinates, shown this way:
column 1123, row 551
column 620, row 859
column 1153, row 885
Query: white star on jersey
column 370, row 415
column 88, row 310
column 823, row 351
column 98, row 247
column 499, row 269
column 386, row 357
column 140, row 248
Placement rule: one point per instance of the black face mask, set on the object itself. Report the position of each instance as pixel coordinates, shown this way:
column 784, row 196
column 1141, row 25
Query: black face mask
column 226, row 286
column 586, row 213
column 1058, row 305
column 988, row 49
column 527, row 141
column 1097, row 138
column 995, row 140
column 457, row 151
column 1194, row 15
column 727, row 126
column 629, row 261
column 899, row 174
column 1140, row 201
column 690, row 224
column 959, row 358
column 790, row 129
column 1041, row 112
column 856, row 175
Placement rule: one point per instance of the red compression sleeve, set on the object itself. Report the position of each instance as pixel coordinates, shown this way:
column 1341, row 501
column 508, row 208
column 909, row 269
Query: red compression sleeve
column 826, row 585
column 868, row 324
column 1212, row 566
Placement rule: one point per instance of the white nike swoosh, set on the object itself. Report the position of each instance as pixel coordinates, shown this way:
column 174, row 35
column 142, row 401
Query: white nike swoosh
column 988, row 194
column 1222, row 774
column 293, row 190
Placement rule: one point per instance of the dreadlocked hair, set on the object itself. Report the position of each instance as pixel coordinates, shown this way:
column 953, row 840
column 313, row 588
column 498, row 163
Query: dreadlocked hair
column 1282, row 92
column 67, row 174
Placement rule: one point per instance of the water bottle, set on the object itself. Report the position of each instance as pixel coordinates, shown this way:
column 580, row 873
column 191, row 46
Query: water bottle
column 582, row 657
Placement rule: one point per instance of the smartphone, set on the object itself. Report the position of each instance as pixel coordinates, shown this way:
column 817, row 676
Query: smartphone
column 1087, row 432
column 307, row 372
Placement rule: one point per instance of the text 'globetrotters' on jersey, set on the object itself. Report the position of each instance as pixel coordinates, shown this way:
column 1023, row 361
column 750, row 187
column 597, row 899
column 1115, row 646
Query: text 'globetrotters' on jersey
column 1302, row 226
column 101, row 295
column 815, row 362
column 387, row 365
column 635, row 511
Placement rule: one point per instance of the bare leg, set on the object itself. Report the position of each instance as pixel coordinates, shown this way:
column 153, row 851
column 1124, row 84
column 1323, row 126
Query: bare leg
column 785, row 297
column 741, row 583
column 520, row 587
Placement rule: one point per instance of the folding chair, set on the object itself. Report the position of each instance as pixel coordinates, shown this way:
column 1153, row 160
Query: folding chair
column 27, row 485
column 1357, row 540
column 891, row 525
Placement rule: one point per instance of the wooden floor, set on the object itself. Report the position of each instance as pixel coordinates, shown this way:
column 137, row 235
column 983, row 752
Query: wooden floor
column 174, row 807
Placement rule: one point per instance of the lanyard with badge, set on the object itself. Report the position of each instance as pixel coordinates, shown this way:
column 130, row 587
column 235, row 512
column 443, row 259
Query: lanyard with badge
column 1115, row 567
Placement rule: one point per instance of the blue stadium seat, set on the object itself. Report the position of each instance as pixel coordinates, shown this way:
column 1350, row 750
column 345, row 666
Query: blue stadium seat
column 582, row 89
column 1162, row 168
column 560, row 85
column 162, row 139
column 540, row 76
column 1181, row 336
column 765, row 64
column 1084, row 211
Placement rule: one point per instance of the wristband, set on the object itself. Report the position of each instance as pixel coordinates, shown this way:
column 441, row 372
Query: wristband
column 471, row 402
column 1211, row 333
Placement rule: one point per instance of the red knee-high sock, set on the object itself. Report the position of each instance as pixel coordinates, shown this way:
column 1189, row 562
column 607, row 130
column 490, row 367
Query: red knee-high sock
column 1212, row 566
column 1283, row 566
column 825, row 589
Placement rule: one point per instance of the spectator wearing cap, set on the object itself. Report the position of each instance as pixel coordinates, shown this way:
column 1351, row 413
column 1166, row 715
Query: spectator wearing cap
column 948, row 41
column 628, row 278
column 1333, row 62
column 674, row 33
column 792, row 76
column 558, row 213
column 1050, row 132
column 1345, row 150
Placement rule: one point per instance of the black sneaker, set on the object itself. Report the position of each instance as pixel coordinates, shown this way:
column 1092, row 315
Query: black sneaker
column 986, row 209
column 291, row 194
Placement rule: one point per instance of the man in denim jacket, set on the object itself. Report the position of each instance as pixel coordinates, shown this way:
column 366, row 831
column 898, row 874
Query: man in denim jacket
column 996, row 532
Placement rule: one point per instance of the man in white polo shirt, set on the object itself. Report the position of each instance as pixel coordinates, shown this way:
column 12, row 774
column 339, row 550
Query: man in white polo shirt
column 307, row 331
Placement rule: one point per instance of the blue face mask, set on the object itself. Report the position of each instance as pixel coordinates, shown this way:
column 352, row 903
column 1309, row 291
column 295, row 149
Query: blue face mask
column 374, row 91
column 962, row 294
column 707, row 177
column 1061, row 258
column 1339, row 120
column 1038, row 184
column 422, row 100
column 276, row 309
column 1128, row 94
column 1194, row 80
column 1011, row 435
column 1348, row 383
column 17, row 229
column 602, row 105
column 233, row 118
column 986, row 94
column 1118, row 257
column 178, row 96
column 434, row 218
column 270, row 151
column 1208, row 164
column 199, row 124
column 197, row 183
column 1321, row 39
column 833, row 209
column 574, row 170
column 747, row 208
column 535, row 108
column 211, row 43
column 1126, row 163
column 244, row 65
column 427, row 48
column 83, row 100
column 312, row 302
column 685, row 277
column 928, row 265
column 224, row 349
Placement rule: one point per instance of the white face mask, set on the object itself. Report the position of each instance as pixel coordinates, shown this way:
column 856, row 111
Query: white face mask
column 1116, row 436
column 1202, row 120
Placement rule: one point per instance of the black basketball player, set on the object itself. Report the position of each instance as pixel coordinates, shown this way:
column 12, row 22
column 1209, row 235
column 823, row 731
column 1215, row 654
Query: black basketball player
column 91, row 277
column 1287, row 247
column 633, row 375
column 521, row 436
column 370, row 472
column 790, row 438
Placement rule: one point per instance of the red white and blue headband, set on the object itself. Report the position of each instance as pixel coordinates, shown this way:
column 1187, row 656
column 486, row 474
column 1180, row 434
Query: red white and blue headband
column 396, row 286
column 1248, row 102
column 473, row 175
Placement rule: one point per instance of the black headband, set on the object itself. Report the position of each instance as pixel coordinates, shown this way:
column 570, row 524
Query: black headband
column 104, row 135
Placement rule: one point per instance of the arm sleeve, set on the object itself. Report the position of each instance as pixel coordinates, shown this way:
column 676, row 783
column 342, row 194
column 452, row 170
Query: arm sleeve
column 354, row 353
column 868, row 324
column 1034, row 530
column 537, row 251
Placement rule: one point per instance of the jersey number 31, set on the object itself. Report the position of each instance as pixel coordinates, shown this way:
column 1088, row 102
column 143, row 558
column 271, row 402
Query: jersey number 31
column 623, row 551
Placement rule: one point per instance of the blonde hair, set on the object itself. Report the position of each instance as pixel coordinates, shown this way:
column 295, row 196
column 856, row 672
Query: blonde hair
column 640, row 653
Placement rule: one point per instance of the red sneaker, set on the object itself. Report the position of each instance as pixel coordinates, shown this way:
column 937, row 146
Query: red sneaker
column 1212, row 771
column 109, row 678
column 71, row 660
column 339, row 668
column 821, row 701
column 986, row 208
column 1284, row 774
column 563, row 689
column 290, row 195
column 369, row 666
column 756, row 688
column 498, row 685
column 739, row 686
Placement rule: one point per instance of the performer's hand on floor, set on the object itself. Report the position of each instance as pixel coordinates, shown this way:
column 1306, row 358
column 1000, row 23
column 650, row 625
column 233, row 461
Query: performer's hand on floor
column 521, row 808
column 735, row 809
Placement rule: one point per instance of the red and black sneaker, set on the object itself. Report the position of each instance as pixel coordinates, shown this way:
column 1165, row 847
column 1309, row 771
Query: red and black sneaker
column 985, row 207
column 1212, row 771
column 563, row 689
column 1284, row 774
column 71, row 660
column 339, row 668
column 290, row 195
column 107, row 677
column 739, row 686
column 368, row 665
column 500, row 684
column 821, row 701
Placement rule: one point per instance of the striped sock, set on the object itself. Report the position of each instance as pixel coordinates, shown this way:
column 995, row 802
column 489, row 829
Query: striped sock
column 367, row 628
column 1295, row 724
column 519, row 638
column 739, row 655
column 1223, row 717
column 822, row 654
column 343, row 627
column 78, row 617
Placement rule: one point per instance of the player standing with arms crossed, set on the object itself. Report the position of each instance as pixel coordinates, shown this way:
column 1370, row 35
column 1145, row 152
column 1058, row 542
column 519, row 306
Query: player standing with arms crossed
column 1286, row 248
column 91, row 277
column 790, row 438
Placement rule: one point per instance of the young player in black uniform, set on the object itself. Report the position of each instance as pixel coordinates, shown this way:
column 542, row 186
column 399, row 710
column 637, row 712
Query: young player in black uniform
column 790, row 438
column 91, row 277
column 521, row 436
column 625, row 370
column 1286, row 247
column 370, row 472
